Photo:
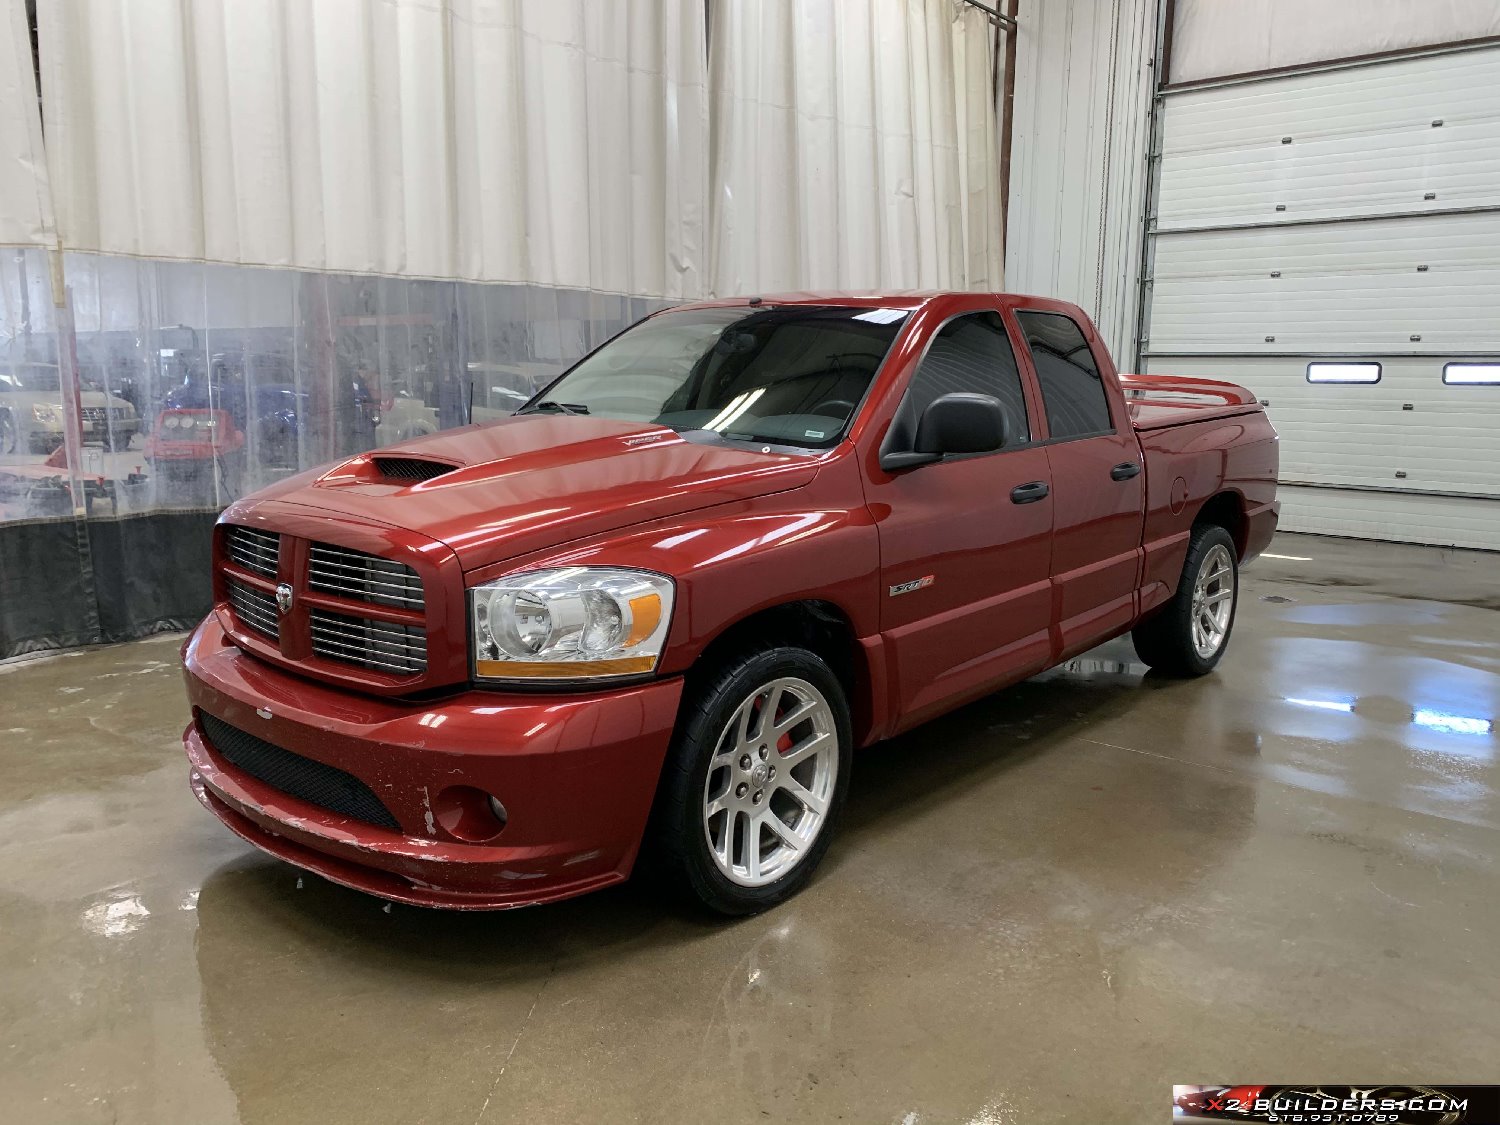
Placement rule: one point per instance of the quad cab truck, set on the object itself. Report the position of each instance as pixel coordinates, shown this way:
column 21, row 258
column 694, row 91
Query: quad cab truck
column 655, row 613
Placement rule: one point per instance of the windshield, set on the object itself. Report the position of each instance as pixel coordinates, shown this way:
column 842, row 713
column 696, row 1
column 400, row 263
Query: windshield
column 791, row 374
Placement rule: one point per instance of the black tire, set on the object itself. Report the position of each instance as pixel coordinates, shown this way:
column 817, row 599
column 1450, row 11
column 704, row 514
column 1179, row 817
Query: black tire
column 679, row 835
column 1165, row 641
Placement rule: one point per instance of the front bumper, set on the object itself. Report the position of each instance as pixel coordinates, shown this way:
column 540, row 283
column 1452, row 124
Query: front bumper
column 576, row 773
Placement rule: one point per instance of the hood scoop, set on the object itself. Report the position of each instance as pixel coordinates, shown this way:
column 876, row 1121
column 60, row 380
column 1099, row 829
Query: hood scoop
column 409, row 470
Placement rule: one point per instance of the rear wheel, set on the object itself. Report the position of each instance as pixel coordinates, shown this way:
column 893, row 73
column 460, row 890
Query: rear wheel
column 756, row 779
column 1189, row 635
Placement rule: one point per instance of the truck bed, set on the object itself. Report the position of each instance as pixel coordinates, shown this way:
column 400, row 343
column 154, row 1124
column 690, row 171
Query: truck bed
column 1159, row 401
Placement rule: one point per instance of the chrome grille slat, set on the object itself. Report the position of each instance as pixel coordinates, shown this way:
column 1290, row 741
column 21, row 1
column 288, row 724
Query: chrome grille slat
column 255, row 550
column 359, row 561
column 356, row 628
column 254, row 610
column 402, row 649
column 372, row 596
column 375, row 629
column 381, row 645
column 256, row 561
column 361, row 577
column 380, row 582
column 360, row 569
column 374, row 566
column 353, row 654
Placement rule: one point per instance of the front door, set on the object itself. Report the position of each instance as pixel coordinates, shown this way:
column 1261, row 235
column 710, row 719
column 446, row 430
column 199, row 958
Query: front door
column 965, row 543
column 1098, row 479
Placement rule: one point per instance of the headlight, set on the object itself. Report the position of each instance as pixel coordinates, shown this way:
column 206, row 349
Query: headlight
column 171, row 421
column 43, row 413
column 570, row 623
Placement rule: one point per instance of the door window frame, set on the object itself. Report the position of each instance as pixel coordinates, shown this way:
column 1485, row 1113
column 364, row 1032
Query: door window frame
column 1109, row 405
column 1028, row 398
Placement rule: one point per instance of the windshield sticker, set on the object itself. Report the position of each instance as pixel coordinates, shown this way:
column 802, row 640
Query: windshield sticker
column 814, row 433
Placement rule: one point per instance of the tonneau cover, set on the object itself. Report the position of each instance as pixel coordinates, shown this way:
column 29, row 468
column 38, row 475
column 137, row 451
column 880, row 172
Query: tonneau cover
column 1158, row 401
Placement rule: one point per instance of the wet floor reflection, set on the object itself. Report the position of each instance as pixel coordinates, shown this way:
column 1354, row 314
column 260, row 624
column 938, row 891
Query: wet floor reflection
column 890, row 957
column 1100, row 872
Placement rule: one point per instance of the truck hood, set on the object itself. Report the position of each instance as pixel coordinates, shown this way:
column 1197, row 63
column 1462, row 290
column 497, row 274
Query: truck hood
column 525, row 484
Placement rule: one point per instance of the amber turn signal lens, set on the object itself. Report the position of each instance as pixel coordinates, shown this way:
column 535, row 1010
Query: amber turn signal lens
column 564, row 669
column 645, row 616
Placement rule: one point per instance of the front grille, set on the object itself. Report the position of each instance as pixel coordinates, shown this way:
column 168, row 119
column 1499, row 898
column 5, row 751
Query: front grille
column 314, row 782
column 254, row 609
column 101, row 413
column 259, row 551
column 365, row 578
column 412, row 469
column 387, row 647
column 335, row 620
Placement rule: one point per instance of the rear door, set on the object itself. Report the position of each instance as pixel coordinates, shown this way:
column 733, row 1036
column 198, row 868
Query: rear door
column 964, row 585
column 1098, row 483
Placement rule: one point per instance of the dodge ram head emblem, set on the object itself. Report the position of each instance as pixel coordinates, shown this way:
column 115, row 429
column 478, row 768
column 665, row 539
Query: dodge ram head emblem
column 284, row 598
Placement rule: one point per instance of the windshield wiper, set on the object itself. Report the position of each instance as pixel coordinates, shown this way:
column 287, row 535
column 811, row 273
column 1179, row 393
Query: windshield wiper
column 557, row 407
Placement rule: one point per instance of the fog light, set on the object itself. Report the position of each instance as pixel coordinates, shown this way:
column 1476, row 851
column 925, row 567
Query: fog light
column 468, row 814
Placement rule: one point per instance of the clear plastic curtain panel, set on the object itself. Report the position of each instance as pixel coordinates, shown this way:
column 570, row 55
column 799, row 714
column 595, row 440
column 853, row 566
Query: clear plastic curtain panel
column 295, row 232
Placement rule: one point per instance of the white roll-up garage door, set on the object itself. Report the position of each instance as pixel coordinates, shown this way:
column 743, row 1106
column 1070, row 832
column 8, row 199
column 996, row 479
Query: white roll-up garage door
column 1336, row 225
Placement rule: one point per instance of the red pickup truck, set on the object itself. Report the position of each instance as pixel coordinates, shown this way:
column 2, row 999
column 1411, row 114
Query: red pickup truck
column 662, row 605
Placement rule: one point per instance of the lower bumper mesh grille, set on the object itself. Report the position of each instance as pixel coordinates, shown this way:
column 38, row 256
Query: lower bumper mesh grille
column 314, row 782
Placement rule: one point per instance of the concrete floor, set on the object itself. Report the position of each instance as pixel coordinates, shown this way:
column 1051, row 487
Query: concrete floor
column 1048, row 906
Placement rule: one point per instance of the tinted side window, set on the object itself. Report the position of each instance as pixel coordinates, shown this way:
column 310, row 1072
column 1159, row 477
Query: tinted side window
column 1071, row 387
column 971, row 353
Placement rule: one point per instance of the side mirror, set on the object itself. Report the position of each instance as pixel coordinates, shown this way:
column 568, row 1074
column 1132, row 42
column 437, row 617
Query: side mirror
column 962, row 422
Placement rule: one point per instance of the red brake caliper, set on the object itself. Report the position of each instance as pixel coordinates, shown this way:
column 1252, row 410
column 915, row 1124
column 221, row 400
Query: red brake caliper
column 784, row 743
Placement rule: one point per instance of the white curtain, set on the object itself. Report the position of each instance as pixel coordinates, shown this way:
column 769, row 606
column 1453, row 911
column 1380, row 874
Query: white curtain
column 25, row 199
column 1081, row 127
column 553, row 142
column 853, row 146
column 1212, row 38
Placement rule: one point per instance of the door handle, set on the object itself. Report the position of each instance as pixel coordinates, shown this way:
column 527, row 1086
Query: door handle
column 1124, row 471
column 1029, row 493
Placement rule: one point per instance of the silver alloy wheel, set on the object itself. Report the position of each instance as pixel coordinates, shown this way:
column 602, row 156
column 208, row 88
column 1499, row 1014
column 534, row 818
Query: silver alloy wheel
column 1213, row 601
column 770, row 782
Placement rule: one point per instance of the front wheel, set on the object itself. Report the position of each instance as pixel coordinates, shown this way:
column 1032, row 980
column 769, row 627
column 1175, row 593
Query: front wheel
column 756, row 779
column 1188, row 636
